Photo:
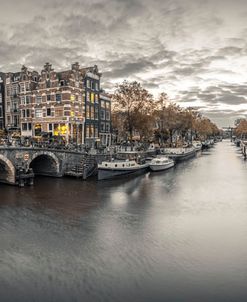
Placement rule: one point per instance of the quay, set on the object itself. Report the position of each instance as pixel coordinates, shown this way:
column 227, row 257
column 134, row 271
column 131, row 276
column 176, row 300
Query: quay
column 19, row 165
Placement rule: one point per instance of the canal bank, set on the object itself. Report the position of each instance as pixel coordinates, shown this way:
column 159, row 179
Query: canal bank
column 173, row 236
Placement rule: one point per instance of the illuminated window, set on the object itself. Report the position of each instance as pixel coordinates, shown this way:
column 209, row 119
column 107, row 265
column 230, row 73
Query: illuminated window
column 37, row 130
column 92, row 113
column 88, row 112
column 92, row 98
column 91, row 131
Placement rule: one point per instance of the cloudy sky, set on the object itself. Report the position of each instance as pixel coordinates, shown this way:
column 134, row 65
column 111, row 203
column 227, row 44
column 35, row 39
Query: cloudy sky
column 194, row 50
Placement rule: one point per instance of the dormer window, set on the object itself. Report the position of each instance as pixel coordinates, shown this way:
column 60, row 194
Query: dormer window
column 62, row 83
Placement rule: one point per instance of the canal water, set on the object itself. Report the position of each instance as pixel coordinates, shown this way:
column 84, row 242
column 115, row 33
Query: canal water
column 174, row 236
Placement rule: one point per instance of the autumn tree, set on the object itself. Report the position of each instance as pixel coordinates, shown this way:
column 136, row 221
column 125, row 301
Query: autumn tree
column 241, row 129
column 134, row 106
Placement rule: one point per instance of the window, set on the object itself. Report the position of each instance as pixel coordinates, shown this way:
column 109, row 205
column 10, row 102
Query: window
column 48, row 111
column 96, row 86
column 88, row 83
column 102, row 127
column 24, row 127
column 48, row 97
column 38, row 99
column 107, row 105
column 58, row 98
column 102, row 114
column 91, row 131
column 58, row 112
column 88, row 97
column 96, row 134
column 87, row 131
column 28, row 100
column 96, row 98
column 88, row 112
column 22, row 87
column 23, row 113
column 92, row 98
column 96, row 113
column 29, row 126
column 108, row 115
column 92, row 113
column 38, row 113
column 107, row 127
column 28, row 113
column 50, row 127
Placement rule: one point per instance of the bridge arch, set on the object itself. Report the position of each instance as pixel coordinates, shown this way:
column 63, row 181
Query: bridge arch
column 44, row 163
column 7, row 170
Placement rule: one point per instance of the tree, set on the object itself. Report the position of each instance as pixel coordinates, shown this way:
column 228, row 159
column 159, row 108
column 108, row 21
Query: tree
column 241, row 129
column 134, row 106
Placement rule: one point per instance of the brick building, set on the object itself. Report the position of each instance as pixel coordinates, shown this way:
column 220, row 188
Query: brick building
column 59, row 103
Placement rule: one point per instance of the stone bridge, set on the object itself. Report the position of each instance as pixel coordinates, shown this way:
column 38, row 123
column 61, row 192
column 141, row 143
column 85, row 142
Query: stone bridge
column 48, row 162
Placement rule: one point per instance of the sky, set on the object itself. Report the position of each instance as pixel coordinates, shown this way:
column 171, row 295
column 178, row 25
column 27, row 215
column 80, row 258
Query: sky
column 194, row 50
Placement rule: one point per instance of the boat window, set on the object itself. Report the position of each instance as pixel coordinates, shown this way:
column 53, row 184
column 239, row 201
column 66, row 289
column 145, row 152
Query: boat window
column 106, row 165
column 123, row 165
column 116, row 165
column 132, row 165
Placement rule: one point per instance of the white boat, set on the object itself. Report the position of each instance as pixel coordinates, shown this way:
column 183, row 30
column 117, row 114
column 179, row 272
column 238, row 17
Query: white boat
column 179, row 154
column 197, row 145
column 113, row 169
column 161, row 163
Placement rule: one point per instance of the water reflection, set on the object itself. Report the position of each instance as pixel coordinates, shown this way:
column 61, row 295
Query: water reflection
column 173, row 236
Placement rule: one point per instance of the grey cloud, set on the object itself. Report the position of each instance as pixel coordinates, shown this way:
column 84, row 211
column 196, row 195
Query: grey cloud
column 174, row 43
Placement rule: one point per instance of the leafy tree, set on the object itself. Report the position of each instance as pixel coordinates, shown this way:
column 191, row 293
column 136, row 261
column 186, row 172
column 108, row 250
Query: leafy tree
column 134, row 105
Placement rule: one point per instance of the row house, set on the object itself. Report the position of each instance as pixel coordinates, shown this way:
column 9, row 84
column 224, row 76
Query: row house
column 92, row 92
column 56, row 106
column 105, row 119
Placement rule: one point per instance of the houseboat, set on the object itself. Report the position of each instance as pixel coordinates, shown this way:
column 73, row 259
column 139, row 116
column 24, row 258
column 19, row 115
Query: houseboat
column 179, row 154
column 119, row 168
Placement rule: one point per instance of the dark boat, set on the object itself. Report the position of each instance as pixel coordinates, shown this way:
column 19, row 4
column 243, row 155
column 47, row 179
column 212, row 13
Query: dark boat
column 113, row 169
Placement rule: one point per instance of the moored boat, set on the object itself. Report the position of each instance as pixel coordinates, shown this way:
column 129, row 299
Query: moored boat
column 113, row 169
column 161, row 163
column 197, row 145
column 179, row 154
